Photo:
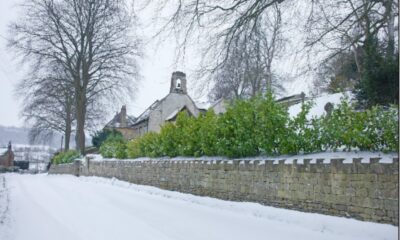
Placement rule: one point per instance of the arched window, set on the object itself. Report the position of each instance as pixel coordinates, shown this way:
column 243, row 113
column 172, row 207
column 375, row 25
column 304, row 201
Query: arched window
column 178, row 83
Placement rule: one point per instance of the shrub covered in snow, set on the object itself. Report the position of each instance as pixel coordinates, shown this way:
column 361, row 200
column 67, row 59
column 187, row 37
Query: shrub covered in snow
column 147, row 145
column 252, row 127
column 375, row 129
column 260, row 126
column 65, row 157
column 100, row 136
column 114, row 147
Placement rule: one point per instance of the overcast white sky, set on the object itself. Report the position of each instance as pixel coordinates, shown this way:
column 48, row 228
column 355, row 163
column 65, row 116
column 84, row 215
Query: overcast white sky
column 156, row 69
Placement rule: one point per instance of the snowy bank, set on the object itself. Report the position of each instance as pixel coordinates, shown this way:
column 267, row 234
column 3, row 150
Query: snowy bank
column 317, row 109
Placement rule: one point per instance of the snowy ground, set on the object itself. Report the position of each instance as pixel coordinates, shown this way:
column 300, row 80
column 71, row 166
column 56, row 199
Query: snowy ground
column 318, row 107
column 65, row 207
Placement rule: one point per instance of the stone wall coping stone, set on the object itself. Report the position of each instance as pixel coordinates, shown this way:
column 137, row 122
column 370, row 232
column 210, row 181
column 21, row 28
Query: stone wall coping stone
column 260, row 161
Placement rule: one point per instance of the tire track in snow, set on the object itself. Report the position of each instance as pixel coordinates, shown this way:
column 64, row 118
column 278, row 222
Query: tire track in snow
column 95, row 197
column 28, row 204
column 4, row 200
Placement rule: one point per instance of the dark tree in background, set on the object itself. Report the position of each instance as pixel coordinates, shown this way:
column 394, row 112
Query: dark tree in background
column 48, row 104
column 217, row 26
column 379, row 83
column 368, row 30
column 338, row 74
column 93, row 41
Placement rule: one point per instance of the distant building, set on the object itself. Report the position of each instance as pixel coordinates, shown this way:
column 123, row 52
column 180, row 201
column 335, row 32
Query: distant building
column 167, row 108
column 161, row 111
column 122, row 123
column 220, row 106
column 292, row 100
column 7, row 157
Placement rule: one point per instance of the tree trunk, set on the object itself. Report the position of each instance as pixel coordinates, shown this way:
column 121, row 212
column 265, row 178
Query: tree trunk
column 80, row 121
column 390, row 47
column 67, row 139
column 68, row 121
column 269, row 78
column 355, row 51
column 67, row 134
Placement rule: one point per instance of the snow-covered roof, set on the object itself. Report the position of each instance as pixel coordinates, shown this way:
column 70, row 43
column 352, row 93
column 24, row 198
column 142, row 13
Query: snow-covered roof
column 203, row 105
column 216, row 102
column 318, row 108
column 145, row 115
column 173, row 115
column 292, row 100
column 116, row 121
column 3, row 151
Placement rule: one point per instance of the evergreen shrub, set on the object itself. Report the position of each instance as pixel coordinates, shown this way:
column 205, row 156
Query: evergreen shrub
column 65, row 157
column 100, row 136
column 260, row 126
column 114, row 147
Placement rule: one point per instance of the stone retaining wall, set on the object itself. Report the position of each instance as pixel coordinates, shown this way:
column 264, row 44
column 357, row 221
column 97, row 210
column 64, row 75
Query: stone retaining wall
column 362, row 189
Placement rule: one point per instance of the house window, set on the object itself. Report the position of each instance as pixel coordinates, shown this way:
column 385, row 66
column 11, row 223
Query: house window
column 178, row 83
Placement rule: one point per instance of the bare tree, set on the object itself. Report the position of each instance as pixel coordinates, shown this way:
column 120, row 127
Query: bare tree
column 48, row 103
column 214, row 25
column 230, row 82
column 248, row 70
column 93, row 41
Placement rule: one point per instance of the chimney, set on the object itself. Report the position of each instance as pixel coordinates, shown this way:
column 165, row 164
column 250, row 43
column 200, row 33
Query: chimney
column 123, row 116
column 178, row 83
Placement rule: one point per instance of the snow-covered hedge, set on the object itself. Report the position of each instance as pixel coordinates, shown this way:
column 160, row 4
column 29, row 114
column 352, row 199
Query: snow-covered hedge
column 65, row 157
column 114, row 147
column 260, row 126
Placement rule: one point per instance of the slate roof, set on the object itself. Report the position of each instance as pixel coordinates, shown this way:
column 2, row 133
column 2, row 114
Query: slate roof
column 175, row 113
column 146, row 114
column 203, row 105
column 116, row 121
column 294, row 99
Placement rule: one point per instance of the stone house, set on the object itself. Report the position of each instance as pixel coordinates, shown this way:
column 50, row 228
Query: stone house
column 122, row 123
column 7, row 157
column 167, row 108
column 220, row 106
column 161, row 111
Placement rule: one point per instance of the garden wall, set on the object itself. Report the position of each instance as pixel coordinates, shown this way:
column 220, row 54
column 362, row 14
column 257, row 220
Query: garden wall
column 363, row 189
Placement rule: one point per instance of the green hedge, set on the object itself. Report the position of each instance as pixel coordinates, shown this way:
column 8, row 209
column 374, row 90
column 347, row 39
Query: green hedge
column 65, row 157
column 114, row 147
column 100, row 136
column 260, row 126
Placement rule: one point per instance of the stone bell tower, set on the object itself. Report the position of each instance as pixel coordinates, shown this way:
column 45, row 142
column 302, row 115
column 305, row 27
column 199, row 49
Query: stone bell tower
column 178, row 83
column 122, row 117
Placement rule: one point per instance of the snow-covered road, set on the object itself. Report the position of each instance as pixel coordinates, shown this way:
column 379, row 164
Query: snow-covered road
column 65, row 207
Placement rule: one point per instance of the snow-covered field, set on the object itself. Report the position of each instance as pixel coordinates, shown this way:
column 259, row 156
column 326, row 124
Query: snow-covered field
column 65, row 207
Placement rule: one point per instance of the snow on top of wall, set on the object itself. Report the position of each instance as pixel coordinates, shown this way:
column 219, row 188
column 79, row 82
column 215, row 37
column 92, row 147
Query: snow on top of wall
column 327, row 156
column 319, row 103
